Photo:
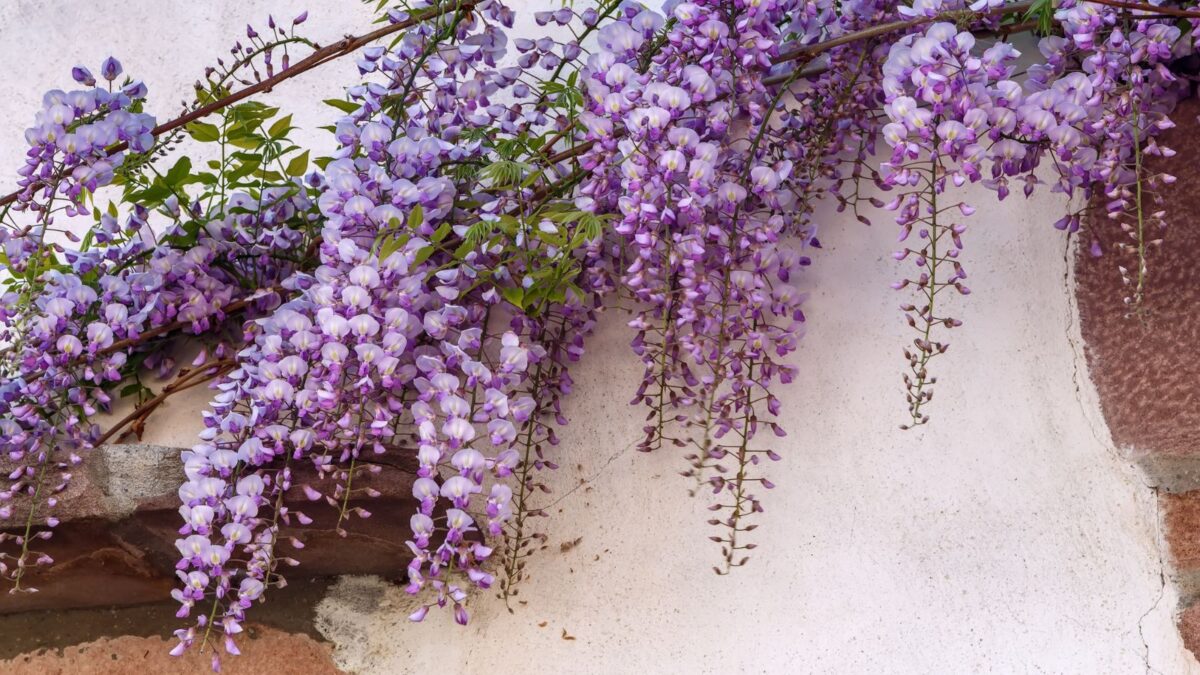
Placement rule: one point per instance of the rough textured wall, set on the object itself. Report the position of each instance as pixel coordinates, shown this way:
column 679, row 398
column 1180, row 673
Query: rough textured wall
column 1009, row 535
column 1145, row 366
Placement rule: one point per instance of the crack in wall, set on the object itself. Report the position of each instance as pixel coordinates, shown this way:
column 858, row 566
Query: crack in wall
column 1162, row 582
column 1089, row 404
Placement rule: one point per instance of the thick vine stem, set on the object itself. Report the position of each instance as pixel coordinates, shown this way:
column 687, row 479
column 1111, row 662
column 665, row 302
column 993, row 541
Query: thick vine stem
column 186, row 380
column 1149, row 9
column 809, row 51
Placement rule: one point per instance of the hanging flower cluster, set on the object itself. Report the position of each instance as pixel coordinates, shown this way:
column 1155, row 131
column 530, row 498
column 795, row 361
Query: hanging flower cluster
column 69, row 143
column 93, row 316
column 1111, row 91
column 829, row 125
column 703, row 218
column 950, row 112
column 956, row 114
column 391, row 346
column 81, row 321
column 326, row 382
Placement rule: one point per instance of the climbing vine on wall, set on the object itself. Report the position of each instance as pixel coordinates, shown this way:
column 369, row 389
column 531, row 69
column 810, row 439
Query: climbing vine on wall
column 418, row 298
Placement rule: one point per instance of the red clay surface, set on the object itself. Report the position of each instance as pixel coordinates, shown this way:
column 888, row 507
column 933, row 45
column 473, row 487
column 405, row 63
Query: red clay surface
column 1147, row 370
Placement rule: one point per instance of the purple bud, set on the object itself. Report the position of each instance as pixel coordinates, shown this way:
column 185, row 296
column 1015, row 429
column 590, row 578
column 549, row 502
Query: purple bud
column 83, row 76
column 110, row 69
column 135, row 89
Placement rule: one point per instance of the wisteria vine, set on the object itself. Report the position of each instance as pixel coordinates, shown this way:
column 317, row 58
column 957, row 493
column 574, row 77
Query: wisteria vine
column 415, row 301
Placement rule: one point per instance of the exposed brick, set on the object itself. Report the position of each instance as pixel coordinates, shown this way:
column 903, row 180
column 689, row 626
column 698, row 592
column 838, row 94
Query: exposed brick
column 1189, row 628
column 1181, row 521
column 1181, row 514
column 1145, row 367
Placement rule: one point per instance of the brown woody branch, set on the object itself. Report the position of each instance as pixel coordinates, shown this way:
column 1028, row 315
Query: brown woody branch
column 347, row 45
column 186, row 380
column 809, row 51
column 1153, row 10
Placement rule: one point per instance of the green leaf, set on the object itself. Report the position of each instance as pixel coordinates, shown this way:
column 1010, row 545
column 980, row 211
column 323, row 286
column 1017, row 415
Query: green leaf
column 179, row 173
column 341, row 104
column 591, row 226
column 389, row 244
column 253, row 111
column 423, row 255
column 440, row 233
column 269, row 176
column 152, row 195
column 463, row 249
column 203, row 132
column 570, row 286
column 204, row 178
column 1043, row 12
column 298, row 164
column 246, row 141
column 476, row 233
column 504, row 173
column 416, row 217
column 531, row 178
column 509, row 224
column 515, row 295
column 392, row 245
column 244, row 168
column 280, row 128
column 134, row 389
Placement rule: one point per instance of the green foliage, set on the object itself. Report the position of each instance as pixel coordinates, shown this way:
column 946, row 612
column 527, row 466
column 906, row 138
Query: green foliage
column 564, row 94
column 203, row 132
column 1042, row 11
column 347, row 107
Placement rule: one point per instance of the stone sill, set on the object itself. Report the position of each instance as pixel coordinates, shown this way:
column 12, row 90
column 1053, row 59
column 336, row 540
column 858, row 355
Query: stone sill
column 115, row 544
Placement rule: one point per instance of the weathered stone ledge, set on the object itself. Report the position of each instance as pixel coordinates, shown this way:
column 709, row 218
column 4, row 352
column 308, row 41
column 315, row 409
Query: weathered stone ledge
column 115, row 544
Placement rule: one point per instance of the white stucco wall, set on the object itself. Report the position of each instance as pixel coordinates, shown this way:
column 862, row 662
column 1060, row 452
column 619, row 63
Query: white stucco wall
column 1007, row 536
